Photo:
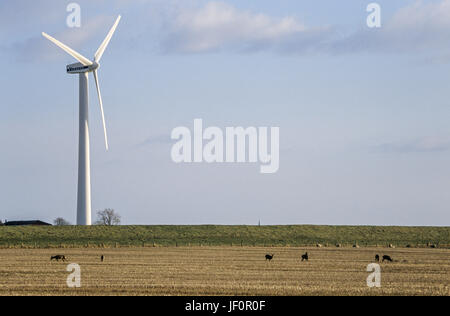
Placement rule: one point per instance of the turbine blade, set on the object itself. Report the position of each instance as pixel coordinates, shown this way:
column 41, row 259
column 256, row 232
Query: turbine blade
column 99, row 53
column 101, row 107
column 69, row 50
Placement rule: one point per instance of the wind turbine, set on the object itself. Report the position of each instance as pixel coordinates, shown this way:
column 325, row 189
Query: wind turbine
column 83, row 68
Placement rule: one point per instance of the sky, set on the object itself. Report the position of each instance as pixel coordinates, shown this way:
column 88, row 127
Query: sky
column 363, row 112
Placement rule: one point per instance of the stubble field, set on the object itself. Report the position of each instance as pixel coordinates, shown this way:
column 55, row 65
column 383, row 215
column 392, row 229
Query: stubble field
column 224, row 271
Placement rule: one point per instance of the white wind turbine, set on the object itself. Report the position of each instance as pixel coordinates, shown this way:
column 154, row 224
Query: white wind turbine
column 83, row 68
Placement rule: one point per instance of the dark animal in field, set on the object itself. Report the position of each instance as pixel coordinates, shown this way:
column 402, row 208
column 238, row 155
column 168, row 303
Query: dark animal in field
column 102, row 258
column 305, row 257
column 269, row 257
column 58, row 257
column 377, row 258
column 387, row 258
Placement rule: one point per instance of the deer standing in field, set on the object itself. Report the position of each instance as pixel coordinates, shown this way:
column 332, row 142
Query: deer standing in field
column 58, row 257
column 305, row 257
column 269, row 257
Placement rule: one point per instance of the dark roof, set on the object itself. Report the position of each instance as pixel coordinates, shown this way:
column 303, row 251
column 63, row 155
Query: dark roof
column 26, row 223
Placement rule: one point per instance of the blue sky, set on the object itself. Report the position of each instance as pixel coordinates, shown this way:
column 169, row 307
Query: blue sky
column 363, row 113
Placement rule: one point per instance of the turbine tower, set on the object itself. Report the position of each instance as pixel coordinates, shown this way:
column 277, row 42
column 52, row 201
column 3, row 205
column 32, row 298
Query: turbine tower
column 82, row 69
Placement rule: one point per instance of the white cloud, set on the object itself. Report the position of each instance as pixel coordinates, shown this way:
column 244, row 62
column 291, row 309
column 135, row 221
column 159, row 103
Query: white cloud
column 426, row 144
column 421, row 25
column 161, row 139
column 176, row 26
column 218, row 26
column 414, row 28
column 422, row 15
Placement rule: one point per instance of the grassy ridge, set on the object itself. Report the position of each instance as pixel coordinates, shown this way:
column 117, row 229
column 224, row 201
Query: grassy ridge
column 295, row 235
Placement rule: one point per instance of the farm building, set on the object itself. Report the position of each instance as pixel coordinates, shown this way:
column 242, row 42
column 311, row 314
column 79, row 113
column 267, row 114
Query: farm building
column 26, row 223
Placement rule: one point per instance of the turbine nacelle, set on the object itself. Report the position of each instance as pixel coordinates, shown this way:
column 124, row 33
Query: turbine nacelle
column 78, row 68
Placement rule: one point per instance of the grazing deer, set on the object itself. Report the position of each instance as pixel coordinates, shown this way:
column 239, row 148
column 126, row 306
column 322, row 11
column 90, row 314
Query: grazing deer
column 387, row 258
column 58, row 257
column 269, row 257
column 305, row 257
